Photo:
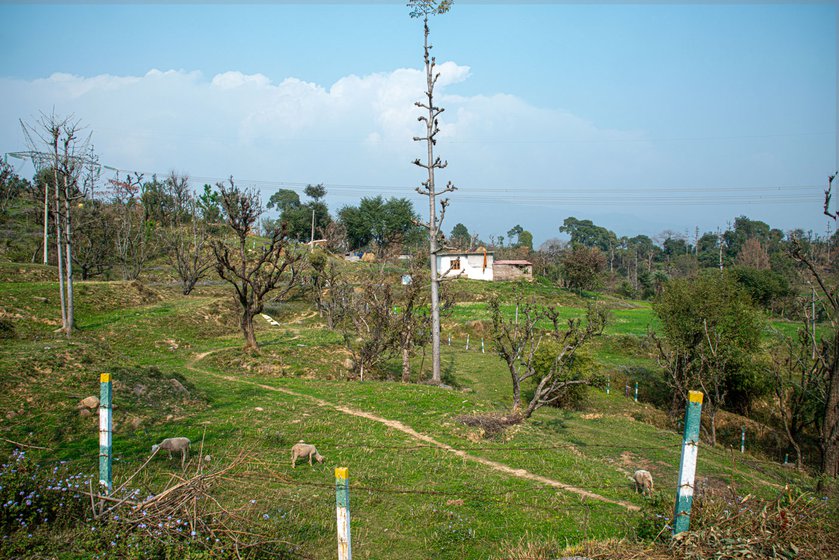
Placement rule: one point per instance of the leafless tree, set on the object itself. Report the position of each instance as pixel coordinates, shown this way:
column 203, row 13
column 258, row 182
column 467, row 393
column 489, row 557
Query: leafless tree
column 329, row 288
column 518, row 341
column 368, row 328
column 132, row 238
column 798, row 387
column 423, row 9
column 67, row 153
column 189, row 249
column 254, row 268
column 826, row 357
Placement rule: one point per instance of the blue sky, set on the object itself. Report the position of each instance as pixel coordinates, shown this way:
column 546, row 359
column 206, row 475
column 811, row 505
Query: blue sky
column 640, row 117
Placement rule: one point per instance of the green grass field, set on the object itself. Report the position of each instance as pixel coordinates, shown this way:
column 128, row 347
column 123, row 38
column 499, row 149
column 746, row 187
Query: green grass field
column 429, row 487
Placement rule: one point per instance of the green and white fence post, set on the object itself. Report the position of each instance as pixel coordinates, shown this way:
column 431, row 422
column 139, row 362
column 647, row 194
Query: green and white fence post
column 608, row 387
column 467, row 342
column 105, row 430
column 450, row 339
column 482, row 346
column 636, row 391
column 743, row 439
column 687, row 465
column 342, row 501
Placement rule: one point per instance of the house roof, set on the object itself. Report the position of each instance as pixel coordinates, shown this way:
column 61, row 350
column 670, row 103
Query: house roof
column 454, row 253
column 517, row 263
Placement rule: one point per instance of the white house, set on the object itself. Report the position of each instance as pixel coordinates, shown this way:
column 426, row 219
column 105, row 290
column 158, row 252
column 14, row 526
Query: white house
column 463, row 264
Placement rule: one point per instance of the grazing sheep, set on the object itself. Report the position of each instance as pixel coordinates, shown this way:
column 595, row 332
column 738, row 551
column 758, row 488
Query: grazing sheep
column 177, row 444
column 643, row 481
column 304, row 450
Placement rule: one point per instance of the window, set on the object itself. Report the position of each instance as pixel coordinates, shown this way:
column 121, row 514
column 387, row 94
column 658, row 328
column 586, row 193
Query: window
column 456, row 264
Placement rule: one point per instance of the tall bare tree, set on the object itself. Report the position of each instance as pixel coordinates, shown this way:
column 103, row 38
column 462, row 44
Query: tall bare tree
column 423, row 9
column 68, row 152
column 256, row 269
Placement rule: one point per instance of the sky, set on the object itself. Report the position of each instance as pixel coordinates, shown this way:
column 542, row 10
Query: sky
column 641, row 117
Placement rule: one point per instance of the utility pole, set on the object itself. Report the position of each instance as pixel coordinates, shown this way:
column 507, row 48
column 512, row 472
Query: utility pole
column 719, row 242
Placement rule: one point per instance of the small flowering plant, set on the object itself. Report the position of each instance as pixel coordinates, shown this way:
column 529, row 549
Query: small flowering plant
column 32, row 495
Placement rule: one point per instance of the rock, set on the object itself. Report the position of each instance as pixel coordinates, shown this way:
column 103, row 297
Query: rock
column 169, row 417
column 207, row 458
column 349, row 364
column 40, row 299
column 259, row 409
column 85, row 413
column 89, row 402
column 178, row 386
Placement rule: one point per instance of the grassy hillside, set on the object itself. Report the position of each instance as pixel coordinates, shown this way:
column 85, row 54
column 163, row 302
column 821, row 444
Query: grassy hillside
column 423, row 483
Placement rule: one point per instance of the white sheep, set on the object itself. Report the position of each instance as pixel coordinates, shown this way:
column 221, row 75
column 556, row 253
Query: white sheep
column 304, row 450
column 177, row 444
column 643, row 481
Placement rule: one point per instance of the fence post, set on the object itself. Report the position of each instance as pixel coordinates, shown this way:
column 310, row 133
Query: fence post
column 450, row 339
column 636, row 391
column 743, row 439
column 105, row 429
column 786, row 458
column 608, row 387
column 687, row 464
column 467, row 342
column 482, row 346
column 342, row 502
column 626, row 390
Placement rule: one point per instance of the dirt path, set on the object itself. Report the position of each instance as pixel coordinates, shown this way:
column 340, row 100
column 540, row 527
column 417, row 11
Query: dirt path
column 396, row 425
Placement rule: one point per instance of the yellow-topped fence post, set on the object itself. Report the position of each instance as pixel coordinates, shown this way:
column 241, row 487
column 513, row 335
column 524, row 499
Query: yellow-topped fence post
column 342, row 500
column 105, row 431
column 687, row 465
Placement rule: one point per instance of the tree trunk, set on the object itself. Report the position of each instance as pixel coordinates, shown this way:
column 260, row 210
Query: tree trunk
column 248, row 331
column 68, row 245
column 406, row 364
column 830, row 428
column 59, row 251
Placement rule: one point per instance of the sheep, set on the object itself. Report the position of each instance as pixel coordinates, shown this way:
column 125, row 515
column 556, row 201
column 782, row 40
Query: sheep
column 304, row 450
column 177, row 444
column 643, row 481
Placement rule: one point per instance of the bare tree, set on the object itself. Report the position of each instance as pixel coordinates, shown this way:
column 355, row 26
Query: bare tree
column 132, row 237
column 798, row 387
column 368, row 329
column 187, row 237
column 330, row 290
column 826, row 357
column 518, row 341
column 255, row 269
column 67, row 154
column 423, row 9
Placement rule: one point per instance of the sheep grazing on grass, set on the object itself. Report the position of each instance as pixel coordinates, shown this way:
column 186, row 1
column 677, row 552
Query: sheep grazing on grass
column 643, row 481
column 304, row 450
column 177, row 444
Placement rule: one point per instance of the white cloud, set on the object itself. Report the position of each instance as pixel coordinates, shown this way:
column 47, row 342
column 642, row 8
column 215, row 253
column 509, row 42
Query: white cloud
column 358, row 130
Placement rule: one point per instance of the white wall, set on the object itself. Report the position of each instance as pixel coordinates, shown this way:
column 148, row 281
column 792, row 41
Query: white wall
column 471, row 266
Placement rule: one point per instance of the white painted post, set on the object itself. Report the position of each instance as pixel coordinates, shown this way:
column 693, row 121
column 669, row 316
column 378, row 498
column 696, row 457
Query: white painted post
column 743, row 439
column 342, row 501
column 105, row 431
column 467, row 342
column 687, row 465
column 608, row 387
column 482, row 346
column 636, row 391
column 786, row 458
column 450, row 339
